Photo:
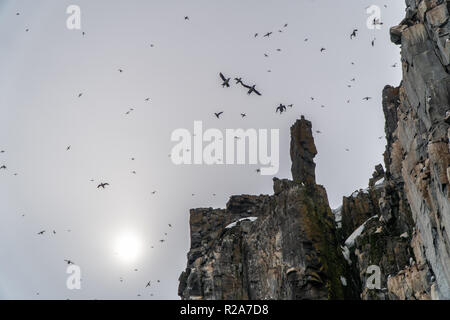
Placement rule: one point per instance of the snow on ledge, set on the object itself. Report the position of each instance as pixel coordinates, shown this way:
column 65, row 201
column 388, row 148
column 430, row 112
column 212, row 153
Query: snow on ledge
column 350, row 242
column 232, row 225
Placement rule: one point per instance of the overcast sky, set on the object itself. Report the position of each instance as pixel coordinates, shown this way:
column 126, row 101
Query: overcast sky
column 45, row 69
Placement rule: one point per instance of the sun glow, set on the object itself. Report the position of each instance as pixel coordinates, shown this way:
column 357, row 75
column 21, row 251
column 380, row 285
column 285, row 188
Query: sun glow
column 128, row 247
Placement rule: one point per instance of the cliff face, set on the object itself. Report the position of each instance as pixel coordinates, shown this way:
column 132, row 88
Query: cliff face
column 291, row 245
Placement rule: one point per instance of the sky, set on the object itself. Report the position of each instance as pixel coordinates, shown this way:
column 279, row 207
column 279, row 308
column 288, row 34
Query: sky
column 114, row 234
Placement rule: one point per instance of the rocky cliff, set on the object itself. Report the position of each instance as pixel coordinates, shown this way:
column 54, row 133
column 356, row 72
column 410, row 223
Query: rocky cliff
column 291, row 245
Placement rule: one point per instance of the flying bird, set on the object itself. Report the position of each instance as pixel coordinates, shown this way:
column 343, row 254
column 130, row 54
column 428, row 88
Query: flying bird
column 102, row 185
column 323, row 50
column 353, row 35
column 243, row 115
column 268, row 34
column 148, row 284
column 281, row 108
column 367, row 98
column 3, row 167
column 252, row 89
column 238, row 81
column 218, row 114
column 69, row 262
column 41, row 233
column 226, row 81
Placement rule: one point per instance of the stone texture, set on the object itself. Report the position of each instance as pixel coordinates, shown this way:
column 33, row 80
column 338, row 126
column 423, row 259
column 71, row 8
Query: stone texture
column 303, row 151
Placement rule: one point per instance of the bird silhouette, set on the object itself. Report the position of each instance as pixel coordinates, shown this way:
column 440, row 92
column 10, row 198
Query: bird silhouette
column 268, row 34
column 243, row 115
column 367, row 98
column 353, row 35
column 218, row 114
column 148, row 284
column 103, row 185
column 226, row 81
column 3, row 167
column 238, row 81
column 69, row 262
column 281, row 108
column 41, row 232
column 323, row 50
column 252, row 89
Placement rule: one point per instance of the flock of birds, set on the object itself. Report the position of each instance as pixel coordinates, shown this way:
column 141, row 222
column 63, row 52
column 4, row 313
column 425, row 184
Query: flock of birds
column 225, row 83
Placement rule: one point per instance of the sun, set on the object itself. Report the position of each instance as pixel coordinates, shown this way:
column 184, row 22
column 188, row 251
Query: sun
column 128, row 247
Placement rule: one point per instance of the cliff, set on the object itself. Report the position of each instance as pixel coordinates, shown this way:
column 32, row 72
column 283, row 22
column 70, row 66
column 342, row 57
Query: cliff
column 291, row 245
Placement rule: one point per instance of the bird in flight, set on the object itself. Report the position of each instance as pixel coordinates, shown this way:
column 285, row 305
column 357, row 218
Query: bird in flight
column 226, row 81
column 186, row 18
column 170, row 226
column 80, row 94
column 69, row 262
column 256, row 34
column 252, row 89
column 373, row 42
column 154, row 192
column 102, row 185
column 218, row 114
column 147, row 99
column 238, row 81
column 120, row 70
column 367, row 98
column 353, row 35
column 148, row 284
column 41, row 233
column 68, row 148
column 281, row 108
column 243, row 115
column 323, row 50
column 3, row 167
column 268, row 34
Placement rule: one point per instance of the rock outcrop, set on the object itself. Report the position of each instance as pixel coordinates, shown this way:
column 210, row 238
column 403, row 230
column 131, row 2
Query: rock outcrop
column 282, row 246
column 291, row 245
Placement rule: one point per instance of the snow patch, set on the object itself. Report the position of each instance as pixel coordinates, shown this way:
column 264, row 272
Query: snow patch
column 346, row 254
column 343, row 281
column 350, row 242
column 234, row 224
